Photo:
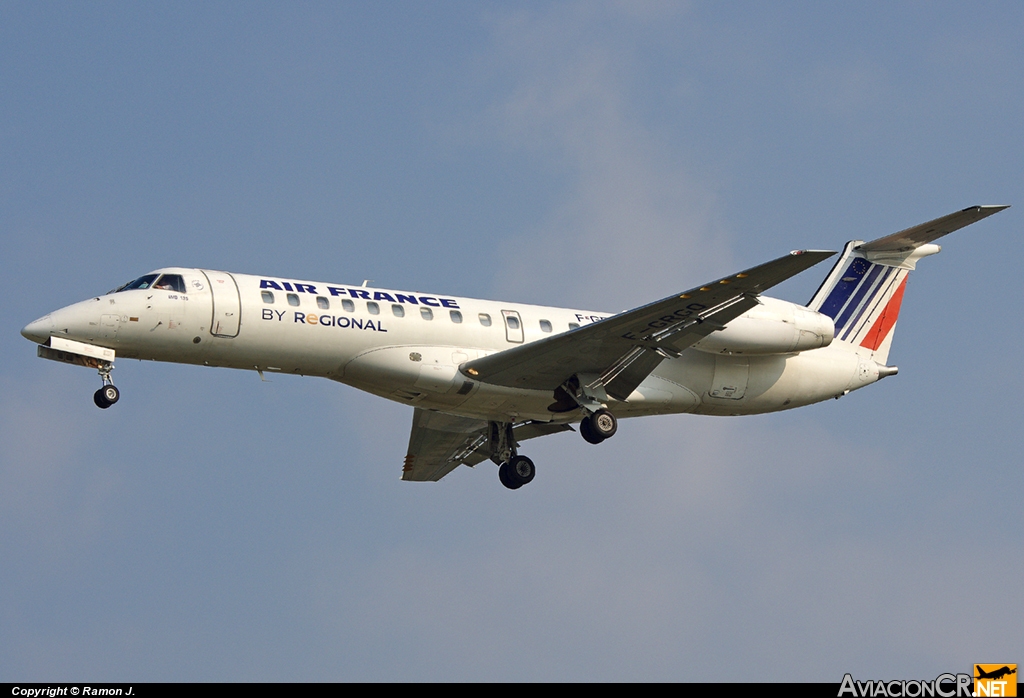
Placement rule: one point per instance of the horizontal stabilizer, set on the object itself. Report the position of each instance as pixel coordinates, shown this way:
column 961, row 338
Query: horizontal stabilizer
column 864, row 291
column 914, row 237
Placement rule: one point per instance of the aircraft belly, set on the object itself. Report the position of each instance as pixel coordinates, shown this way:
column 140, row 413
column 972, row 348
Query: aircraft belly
column 731, row 385
column 658, row 395
column 784, row 382
column 424, row 375
column 511, row 404
column 694, row 369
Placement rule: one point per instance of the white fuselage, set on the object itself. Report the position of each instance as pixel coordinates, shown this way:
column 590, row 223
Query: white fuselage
column 405, row 353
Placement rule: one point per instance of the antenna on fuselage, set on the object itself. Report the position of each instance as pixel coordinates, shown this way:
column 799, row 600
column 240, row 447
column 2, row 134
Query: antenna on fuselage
column 366, row 282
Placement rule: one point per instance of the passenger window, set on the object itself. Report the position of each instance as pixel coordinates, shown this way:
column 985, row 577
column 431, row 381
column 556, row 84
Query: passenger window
column 268, row 296
column 545, row 326
column 455, row 315
column 485, row 319
column 171, row 282
column 574, row 325
column 348, row 305
column 293, row 299
column 372, row 308
column 322, row 303
column 513, row 322
column 426, row 313
column 398, row 310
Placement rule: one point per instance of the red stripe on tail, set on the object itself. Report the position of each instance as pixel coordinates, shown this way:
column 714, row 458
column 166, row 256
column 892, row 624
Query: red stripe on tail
column 880, row 330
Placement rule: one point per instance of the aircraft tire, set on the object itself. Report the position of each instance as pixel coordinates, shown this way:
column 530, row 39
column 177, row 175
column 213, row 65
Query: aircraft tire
column 521, row 471
column 503, row 476
column 110, row 394
column 604, row 424
column 588, row 433
column 100, row 399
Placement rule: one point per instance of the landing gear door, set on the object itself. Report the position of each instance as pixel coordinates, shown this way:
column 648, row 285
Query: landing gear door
column 513, row 326
column 227, row 307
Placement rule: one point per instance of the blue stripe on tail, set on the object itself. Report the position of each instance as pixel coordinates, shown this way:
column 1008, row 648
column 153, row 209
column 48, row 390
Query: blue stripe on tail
column 881, row 292
column 845, row 287
column 865, row 287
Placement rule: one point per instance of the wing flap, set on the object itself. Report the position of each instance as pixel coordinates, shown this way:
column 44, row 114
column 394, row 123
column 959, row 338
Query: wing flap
column 625, row 348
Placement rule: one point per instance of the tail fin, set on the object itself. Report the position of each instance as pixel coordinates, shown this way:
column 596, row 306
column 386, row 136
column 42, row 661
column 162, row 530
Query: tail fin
column 863, row 292
column 863, row 298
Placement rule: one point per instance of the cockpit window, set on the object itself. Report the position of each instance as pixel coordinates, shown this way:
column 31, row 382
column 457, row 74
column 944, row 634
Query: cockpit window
column 171, row 282
column 141, row 282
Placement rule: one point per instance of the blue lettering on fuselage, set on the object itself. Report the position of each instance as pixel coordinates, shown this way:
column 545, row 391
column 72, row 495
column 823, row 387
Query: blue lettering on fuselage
column 325, row 320
column 334, row 321
column 359, row 293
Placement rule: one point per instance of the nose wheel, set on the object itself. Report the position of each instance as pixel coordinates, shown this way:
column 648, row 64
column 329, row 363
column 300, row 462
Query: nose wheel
column 108, row 394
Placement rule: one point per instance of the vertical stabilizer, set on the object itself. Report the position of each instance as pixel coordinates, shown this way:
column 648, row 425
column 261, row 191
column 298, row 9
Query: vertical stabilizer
column 863, row 292
column 863, row 298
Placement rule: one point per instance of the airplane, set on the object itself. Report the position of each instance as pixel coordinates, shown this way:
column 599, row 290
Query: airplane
column 484, row 376
column 995, row 674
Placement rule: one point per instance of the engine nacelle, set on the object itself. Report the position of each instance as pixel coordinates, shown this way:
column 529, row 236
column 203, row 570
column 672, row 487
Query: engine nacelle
column 773, row 327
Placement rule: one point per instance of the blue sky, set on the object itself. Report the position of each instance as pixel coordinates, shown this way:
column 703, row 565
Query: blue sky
column 598, row 155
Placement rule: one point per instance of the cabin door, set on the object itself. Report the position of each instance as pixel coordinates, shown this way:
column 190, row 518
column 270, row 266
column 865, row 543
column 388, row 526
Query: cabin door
column 227, row 306
column 513, row 326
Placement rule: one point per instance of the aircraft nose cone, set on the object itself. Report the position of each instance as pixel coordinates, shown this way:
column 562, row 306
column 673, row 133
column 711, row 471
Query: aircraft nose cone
column 38, row 331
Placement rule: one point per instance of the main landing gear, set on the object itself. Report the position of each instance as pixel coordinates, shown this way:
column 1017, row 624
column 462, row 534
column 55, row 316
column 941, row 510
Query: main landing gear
column 514, row 470
column 108, row 394
column 584, row 392
column 599, row 426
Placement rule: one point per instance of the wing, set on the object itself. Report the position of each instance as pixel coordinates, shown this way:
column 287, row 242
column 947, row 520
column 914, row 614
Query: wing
column 617, row 353
column 440, row 442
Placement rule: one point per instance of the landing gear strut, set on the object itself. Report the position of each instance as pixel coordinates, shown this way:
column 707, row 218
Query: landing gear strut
column 108, row 394
column 514, row 470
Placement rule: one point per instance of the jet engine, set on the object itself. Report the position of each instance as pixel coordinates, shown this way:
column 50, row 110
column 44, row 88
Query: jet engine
column 773, row 327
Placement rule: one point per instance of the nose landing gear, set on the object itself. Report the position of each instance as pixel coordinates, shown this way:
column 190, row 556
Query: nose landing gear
column 108, row 394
